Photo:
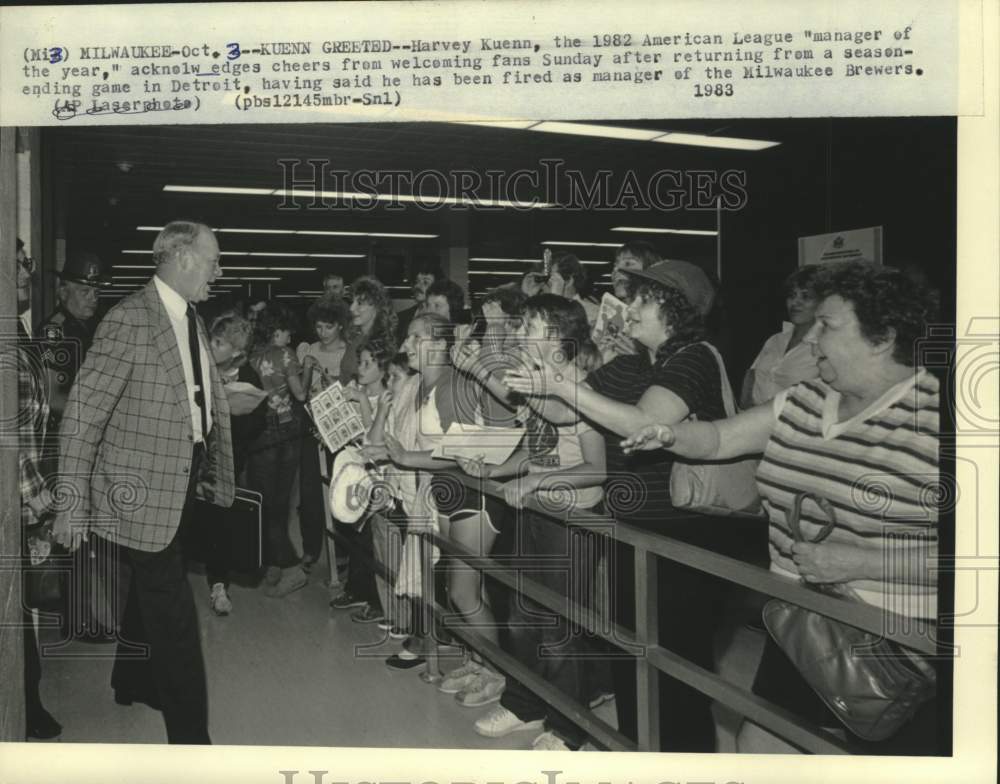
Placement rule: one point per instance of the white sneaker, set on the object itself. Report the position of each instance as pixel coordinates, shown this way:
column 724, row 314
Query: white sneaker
column 486, row 688
column 500, row 721
column 460, row 678
column 221, row 604
column 549, row 741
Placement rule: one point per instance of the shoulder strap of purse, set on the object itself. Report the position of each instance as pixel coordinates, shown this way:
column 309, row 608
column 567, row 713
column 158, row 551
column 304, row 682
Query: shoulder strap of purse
column 727, row 391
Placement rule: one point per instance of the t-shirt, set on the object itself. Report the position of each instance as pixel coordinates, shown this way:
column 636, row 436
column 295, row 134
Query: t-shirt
column 638, row 485
column 498, row 360
column 554, row 448
column 274, row 365
column 878, row 470
column 329, row 361
column 451, row 399
column 776, row 368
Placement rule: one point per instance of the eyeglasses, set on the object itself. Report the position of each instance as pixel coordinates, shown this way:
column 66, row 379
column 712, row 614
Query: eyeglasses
column 27, row 264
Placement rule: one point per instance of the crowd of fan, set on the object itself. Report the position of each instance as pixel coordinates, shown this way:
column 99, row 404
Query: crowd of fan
column 526, row 359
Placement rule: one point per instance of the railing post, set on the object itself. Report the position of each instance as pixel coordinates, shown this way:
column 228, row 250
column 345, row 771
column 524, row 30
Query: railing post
column 647, row 632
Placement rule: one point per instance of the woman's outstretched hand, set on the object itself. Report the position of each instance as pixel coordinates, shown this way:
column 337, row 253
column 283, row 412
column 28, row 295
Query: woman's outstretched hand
column 542, row 380
column 649, row 437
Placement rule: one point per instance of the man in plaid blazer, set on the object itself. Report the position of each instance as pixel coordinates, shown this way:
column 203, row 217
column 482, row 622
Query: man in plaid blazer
column 145, row 431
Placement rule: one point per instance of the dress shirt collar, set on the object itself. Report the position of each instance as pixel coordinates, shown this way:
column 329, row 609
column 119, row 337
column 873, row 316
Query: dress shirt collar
column 175, row 304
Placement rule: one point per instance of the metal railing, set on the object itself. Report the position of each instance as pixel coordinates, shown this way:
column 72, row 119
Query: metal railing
column 656, row 660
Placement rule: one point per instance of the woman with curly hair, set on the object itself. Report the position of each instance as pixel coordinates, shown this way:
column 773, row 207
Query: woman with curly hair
column 867, row 426
column 274, row 455
column 675, row 375
column 373, row 321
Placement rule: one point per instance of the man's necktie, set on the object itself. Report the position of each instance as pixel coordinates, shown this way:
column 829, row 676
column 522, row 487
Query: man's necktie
column 199, row 384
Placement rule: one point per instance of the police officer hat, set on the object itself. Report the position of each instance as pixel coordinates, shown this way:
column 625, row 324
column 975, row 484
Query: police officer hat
column 84, row 267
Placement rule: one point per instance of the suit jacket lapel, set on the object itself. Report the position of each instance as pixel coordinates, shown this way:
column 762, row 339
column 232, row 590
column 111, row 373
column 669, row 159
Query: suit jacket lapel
column 165, row 340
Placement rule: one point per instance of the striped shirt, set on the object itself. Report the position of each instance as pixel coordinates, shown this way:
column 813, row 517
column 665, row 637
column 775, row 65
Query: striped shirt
column 878, row 469
column 638, row 485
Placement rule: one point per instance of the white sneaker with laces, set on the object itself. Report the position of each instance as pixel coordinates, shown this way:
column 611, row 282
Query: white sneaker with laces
column 460, row 678
column 549, row 741
column 486, row 688
column 220, row 602
column 500, row 722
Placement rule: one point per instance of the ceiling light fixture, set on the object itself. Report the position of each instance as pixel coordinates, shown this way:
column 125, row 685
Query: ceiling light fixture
column 481, row 259
column 719, row 142
column 604, row 131
column 584, row 244
column 303, row 232
column 631, row 134
column 335, row 233
column 222, row 190
column 520, row 125
column 230, row 268
column 651, row 230
column 256, row 231
column 353, row 195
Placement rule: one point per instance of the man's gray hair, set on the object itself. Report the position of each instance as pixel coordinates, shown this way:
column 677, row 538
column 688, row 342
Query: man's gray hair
column 175, row 238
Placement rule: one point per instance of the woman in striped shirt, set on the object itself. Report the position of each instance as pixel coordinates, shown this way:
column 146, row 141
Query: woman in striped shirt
column 864, row 436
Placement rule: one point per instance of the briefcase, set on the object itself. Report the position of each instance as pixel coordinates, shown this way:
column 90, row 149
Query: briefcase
column 242, row 533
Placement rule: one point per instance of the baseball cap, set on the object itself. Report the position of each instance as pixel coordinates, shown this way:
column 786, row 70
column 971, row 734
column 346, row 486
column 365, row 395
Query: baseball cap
column 684, row 276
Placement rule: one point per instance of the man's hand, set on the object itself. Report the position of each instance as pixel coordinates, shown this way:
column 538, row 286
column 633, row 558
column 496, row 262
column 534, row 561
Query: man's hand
column 41, row 503
column 65, row 533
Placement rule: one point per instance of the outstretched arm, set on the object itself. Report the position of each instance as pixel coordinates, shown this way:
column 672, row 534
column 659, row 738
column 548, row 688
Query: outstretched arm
column 744, row 434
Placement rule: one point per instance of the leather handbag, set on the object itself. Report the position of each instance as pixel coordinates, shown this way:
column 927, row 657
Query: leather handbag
column 872, row 685
column 718, row 488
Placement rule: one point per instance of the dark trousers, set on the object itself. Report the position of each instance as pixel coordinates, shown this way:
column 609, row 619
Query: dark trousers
column 32, row 669
column 553, row 646
column 271, row 467
column 217, row 544
column 360, row 571
column 159, row 655
column 311, row 515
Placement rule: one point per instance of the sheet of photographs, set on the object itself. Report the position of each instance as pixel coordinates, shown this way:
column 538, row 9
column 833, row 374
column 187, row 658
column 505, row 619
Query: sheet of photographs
column 337, row 419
